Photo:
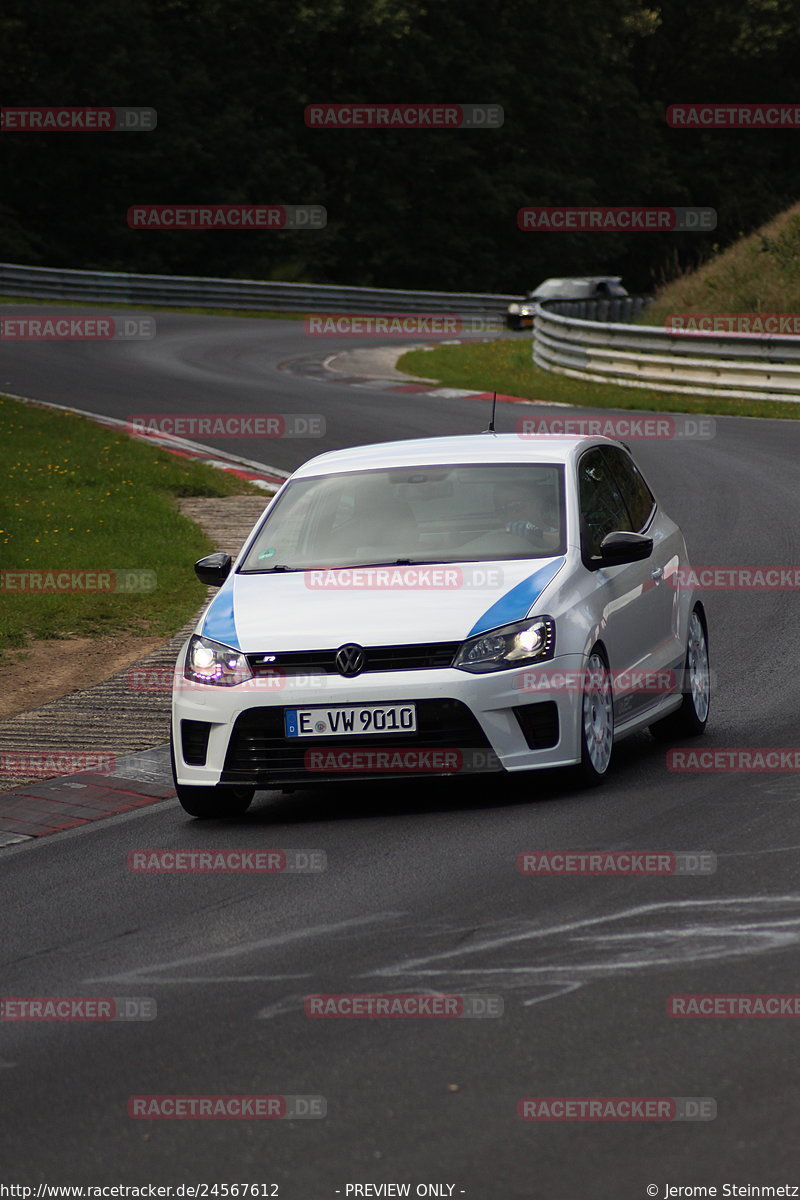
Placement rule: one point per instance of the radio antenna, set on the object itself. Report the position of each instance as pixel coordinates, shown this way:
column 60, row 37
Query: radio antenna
column 490, row 427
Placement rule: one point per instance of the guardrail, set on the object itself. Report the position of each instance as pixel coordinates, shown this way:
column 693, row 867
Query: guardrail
column 600, row 308
column 586, row 339
column 741, row 366
column 198, row 292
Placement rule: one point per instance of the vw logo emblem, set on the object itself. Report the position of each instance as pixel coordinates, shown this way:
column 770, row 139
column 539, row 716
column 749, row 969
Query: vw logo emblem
column 350, row 659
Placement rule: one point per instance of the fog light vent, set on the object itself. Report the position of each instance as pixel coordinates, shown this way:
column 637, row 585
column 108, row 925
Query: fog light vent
column 539, row 723
column 194, row 740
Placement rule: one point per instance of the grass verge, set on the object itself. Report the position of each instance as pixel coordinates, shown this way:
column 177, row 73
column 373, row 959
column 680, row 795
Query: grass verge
column 759, row 273
column 505, row 366
column 75, row 496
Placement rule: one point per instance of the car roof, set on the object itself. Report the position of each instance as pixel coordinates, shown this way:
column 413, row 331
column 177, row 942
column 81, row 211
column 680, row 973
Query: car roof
column 482, row 448
column 579, row 279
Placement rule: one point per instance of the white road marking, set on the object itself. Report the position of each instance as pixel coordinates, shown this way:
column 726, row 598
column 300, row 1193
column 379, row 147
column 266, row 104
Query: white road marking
column 152, row 974
column 280, row 1007
column 727, row 928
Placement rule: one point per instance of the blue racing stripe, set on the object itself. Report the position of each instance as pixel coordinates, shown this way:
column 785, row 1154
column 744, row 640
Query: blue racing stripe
column 516, row 604
column 220, row 623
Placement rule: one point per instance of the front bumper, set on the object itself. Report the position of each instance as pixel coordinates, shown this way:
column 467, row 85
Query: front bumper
column 519, row 320
column 466, row 724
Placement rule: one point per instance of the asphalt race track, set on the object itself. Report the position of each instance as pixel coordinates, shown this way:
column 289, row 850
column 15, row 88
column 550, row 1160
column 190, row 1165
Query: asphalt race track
column 421, row 890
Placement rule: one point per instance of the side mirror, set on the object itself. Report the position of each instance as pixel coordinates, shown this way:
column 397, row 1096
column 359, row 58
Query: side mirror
column 214, row 569
column 622, row 547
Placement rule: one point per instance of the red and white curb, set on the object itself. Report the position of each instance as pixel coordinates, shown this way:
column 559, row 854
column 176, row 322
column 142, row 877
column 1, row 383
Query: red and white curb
column 54, row 804
column 323, row 371
column 262, row 476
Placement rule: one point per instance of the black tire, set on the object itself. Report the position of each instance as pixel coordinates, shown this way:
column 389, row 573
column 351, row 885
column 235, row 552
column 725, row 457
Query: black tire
column 219, row 800
column 691, row 718
column 597, row 753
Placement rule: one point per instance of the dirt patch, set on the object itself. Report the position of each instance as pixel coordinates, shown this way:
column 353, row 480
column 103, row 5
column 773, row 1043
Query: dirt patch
column 46, row 670
column 50, row 669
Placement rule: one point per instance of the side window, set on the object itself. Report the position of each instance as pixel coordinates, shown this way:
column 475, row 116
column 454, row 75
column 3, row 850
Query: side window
column 637, row 495
column 603, row 508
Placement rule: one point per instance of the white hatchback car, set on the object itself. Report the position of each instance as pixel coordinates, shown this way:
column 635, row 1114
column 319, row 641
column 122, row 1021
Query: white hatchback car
column 442, row 606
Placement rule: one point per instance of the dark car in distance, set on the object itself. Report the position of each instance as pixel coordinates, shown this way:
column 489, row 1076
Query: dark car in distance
column 519, row 314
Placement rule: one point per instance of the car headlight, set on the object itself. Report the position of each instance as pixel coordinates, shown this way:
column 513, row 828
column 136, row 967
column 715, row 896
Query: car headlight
column 513, row 308
column 525, row 310
column 533, row 640
column 211, row 662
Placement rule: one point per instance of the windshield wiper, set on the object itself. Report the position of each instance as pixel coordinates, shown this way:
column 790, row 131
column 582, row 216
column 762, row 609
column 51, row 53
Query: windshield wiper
column 268, row 570
column 394, row 562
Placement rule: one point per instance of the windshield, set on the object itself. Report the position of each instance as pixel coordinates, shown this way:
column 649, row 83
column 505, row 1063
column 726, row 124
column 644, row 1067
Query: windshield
column 469, row 513
column 572, row 289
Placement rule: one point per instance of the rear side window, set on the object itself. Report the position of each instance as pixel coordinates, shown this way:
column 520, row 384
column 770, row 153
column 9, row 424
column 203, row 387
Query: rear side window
column 603, row 508
column 639, row 500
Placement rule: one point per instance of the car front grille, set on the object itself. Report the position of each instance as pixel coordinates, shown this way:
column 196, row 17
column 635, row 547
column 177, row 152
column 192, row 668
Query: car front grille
column 260, row 754
column 416, row 657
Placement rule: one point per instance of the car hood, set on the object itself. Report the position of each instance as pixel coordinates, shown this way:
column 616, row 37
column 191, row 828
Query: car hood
column 323, row 609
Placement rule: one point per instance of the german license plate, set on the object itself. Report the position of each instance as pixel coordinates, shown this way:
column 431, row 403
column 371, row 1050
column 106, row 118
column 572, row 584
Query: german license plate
column 350, row 719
